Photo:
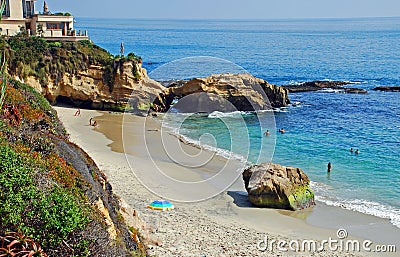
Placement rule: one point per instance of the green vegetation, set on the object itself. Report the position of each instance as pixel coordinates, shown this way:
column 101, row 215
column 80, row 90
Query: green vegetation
column 132, row 58
column 47, row 214
column 31, row 199
column 42, row 195
column 63, row 14
column 49, row 61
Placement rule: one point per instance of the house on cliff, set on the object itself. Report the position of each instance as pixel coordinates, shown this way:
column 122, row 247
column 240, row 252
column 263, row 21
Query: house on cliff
column 20, row 15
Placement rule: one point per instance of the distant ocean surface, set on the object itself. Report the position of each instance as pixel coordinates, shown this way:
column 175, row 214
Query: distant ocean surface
column 323, row 126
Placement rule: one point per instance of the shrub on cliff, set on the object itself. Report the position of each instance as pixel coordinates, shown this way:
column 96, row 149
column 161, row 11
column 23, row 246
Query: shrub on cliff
column 33, row 56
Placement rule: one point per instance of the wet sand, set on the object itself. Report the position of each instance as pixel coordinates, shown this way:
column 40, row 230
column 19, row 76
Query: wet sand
column 224, row 225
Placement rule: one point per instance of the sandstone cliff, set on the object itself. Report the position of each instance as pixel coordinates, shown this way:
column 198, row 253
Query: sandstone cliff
column 80, row 73
column 224, row 92
column 89, row 89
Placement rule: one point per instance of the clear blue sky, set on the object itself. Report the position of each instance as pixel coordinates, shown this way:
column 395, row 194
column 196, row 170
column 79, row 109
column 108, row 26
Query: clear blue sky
column 225, row 9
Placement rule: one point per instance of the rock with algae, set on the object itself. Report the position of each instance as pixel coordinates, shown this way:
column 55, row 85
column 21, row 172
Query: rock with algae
column 274, row 186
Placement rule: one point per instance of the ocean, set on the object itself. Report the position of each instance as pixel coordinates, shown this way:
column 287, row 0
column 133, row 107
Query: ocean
column 321, row 126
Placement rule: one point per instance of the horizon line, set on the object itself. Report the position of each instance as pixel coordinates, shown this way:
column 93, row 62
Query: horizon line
column 241, row 19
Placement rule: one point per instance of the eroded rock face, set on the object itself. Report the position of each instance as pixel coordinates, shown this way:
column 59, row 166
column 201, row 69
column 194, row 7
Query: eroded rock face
column 274, row 186
column 89, row 89
column 226, row 93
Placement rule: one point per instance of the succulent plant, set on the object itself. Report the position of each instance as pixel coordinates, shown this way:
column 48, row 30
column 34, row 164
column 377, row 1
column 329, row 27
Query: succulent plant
column 19, row 245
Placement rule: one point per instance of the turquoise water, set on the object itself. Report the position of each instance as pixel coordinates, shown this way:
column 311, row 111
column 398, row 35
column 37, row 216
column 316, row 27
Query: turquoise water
column 322, row 127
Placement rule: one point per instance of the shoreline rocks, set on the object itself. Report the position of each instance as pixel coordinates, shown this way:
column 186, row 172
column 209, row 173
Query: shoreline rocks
column 388, row 89
column 319, row 85
column 271, row 185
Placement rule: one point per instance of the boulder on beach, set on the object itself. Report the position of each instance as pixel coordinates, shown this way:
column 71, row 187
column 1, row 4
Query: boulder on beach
column 274, row 186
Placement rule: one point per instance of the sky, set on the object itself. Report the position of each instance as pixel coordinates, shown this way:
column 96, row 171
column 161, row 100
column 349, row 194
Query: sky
column 225, row 9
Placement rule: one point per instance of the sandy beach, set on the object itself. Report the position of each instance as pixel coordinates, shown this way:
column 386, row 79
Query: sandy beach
column 225, row 224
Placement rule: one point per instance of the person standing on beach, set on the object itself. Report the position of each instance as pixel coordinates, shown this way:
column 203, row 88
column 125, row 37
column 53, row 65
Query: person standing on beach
column 329, row 167
column 90, row 121
column 78, row 112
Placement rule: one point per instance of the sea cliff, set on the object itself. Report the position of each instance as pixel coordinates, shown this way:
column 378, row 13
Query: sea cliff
column 79, row 73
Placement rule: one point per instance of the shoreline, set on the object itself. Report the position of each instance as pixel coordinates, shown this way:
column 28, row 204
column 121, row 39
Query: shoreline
column 224, row 212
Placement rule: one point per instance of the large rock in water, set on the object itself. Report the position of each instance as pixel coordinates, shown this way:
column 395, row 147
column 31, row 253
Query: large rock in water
column 275, row 186
column 315, row 86
column 225, row 93
column 387, row 89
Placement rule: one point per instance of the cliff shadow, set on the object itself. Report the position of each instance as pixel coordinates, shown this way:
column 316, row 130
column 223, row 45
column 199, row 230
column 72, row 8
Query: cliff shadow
column 240, row 199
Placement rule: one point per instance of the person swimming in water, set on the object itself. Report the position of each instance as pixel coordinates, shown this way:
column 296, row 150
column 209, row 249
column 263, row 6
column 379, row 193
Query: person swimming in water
column 267, row 133
column 282, row 131
column 357, row 152
column 351, row 150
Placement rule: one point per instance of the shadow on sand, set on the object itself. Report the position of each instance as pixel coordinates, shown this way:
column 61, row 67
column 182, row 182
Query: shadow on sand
column 240, row 199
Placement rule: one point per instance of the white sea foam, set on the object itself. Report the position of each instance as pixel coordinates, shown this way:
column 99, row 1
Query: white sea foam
column 282, row 109
column 262, row 111
column 356, row 82
column 196, row 143
column 294, row 83
column 324, row 193
column 218, row 115
column 296, row 104
column 331, row 90
column 221, row 152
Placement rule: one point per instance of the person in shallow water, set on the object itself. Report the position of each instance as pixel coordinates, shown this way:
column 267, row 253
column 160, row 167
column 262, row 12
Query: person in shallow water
column 282, row 131
column 267, row 133
column 357, row 152
column 351, row 150
column 329, row 167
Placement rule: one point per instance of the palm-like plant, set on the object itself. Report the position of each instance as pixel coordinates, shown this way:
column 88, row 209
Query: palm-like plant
column 18, row 245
